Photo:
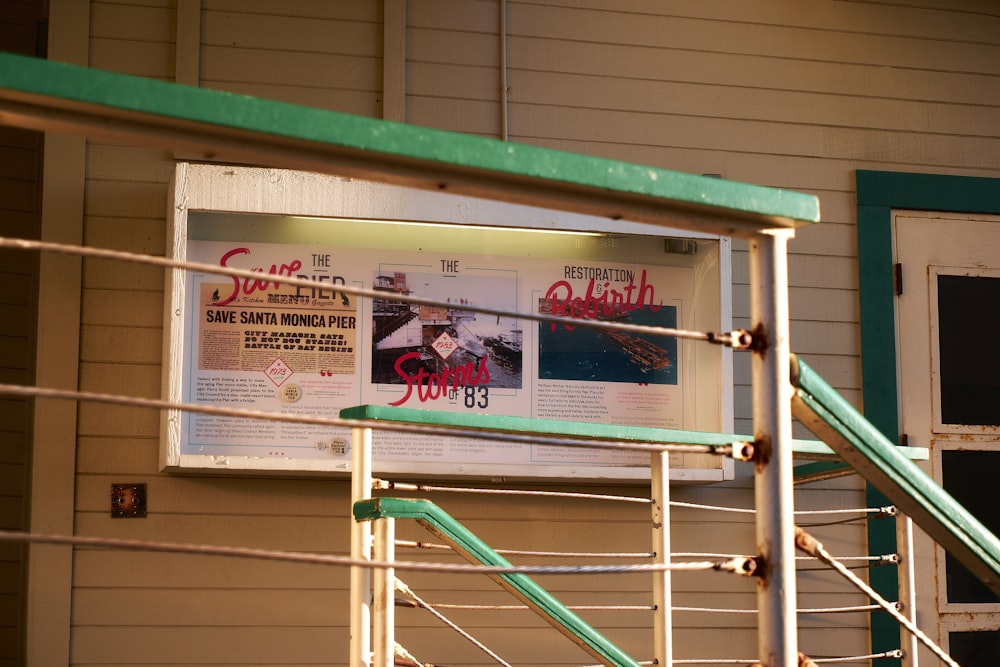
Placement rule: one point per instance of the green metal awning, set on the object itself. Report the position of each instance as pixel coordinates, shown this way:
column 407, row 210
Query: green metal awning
column 220, row 126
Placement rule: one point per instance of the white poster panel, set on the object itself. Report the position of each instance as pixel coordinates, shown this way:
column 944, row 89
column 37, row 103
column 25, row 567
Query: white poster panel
column 261, row 345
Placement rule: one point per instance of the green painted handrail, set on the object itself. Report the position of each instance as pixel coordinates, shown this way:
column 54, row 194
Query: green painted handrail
column 804, row 449
column 213, row 124
column 519, row 584
column 835, row 421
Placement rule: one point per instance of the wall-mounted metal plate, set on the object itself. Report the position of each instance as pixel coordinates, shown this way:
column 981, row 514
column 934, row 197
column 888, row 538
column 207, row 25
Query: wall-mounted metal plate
column 128, row 501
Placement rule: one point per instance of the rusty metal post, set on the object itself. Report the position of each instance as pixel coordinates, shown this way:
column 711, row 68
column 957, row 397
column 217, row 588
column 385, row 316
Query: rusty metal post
column 772, row 421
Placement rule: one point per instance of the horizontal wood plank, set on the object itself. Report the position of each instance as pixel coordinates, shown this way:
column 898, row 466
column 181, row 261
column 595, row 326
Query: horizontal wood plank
column 433, row 45
column 121, row 345
column 348, row 10
column 117, row 456
column 102, row 420
column 778, row 41
column 972, row 20
column 126, row 22
column 122, row 199
column 668, row 130
column 113, row 162
column 807, row 304
column 287, row 533
column 111, row 275
column 806, row 271
column 750, row 69
column 352, row 72
column 123, row 307
column 139, row 58
column 243, row 30
column 358, row 102
column 691, row 98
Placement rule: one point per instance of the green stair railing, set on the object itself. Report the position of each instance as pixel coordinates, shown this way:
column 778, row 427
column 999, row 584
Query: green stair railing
column 523, row 587
column 387, row 507
column 835, row 421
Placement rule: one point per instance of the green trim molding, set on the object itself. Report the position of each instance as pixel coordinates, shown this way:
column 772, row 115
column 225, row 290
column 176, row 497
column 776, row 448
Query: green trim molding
column 879, row 193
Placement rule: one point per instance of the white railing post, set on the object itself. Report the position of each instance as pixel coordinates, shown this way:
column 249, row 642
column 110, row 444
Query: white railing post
column 773, row 475
column 361, row 548
column 384, row 594
column 660, row 495
column 907, row 587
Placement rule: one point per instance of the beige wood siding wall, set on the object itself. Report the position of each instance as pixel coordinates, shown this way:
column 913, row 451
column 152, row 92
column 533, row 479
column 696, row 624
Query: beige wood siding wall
column 794, row 95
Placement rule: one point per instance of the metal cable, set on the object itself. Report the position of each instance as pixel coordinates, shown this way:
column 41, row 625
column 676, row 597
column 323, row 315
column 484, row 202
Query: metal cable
column 882, row 511
column 400, row 427
column 735, row 339
column 814, row 547
column 406, row 486
column 412, row 544
column 741, row 566
column 521, row 607
column 650, row 607
column 405, row 590
column 807, row 610
column 717, row 508
column 884, row 559
column 889, row 510
column 840, row 522
column 895, row 653
column 714, row 661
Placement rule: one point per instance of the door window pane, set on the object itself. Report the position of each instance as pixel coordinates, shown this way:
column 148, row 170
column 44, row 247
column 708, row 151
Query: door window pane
column 970, row 477
column 975, row 649
column 969, row 360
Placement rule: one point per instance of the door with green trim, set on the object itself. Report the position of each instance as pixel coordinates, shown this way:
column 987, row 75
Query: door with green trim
column 948, row 332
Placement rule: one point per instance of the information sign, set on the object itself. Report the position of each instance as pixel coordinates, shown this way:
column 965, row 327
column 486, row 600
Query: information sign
column 263, row 345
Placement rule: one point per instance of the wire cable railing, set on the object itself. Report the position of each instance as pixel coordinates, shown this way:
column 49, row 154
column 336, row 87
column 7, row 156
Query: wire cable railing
column 742, row 565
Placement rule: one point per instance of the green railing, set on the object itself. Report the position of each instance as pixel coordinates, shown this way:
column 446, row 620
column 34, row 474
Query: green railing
column 520, row 585
column 821, row 409
column 467, row 544
column 803, row 449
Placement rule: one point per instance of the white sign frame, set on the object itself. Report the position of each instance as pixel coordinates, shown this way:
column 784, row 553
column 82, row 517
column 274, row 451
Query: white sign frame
column 247, row 190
